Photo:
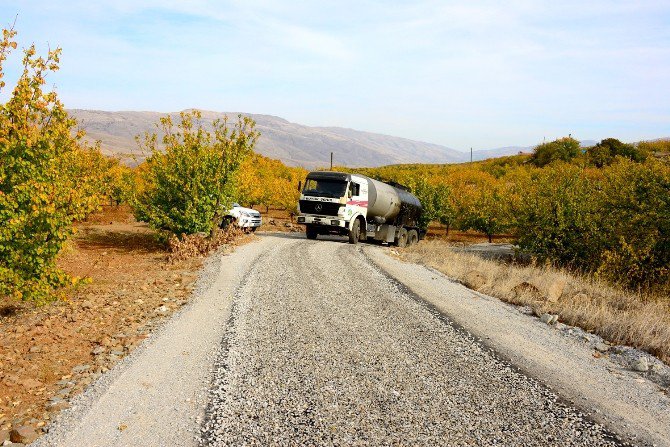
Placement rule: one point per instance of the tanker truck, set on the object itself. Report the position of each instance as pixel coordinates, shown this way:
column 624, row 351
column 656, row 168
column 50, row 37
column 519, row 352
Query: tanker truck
column 359, row 207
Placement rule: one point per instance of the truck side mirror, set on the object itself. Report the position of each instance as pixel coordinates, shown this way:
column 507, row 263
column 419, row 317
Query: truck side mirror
column 300, row 185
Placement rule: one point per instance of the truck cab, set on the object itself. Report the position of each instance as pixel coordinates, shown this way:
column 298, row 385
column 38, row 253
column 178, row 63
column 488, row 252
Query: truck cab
column 358, row 207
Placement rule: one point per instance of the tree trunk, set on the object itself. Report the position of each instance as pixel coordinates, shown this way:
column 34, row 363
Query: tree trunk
column 217, row 219
column 490, row 238
column 447, row 225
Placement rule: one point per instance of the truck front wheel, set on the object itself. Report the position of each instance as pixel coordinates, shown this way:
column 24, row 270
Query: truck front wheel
column 355, row 232
column 311, row 232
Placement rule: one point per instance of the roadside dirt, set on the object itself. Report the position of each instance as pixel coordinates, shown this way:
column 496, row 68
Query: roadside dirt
column 49, row 354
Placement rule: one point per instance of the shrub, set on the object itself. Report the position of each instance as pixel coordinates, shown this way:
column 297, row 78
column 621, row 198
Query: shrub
column 185, row 188
column 48, row 179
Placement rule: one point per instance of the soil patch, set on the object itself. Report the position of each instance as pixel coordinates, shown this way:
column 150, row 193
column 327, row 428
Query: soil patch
column 49, row 354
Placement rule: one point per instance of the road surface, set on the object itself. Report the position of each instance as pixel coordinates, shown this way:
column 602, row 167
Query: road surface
column 297, row 342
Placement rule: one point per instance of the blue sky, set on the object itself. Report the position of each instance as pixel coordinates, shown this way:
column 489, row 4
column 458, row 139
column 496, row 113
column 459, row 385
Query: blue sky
column 476, row 74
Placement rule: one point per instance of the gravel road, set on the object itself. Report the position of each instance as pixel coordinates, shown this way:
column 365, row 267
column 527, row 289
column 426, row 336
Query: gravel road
column 296, row 342
column 324, row 349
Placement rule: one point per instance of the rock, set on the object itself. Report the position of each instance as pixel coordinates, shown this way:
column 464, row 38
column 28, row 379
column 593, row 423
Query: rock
column 4, row 436
column 163, row 309
column 23, row 434
column 601, row 347
column 98, row 350
column 556, row 290
column 474, row 280
column 57, row 404
column 526, row 288
column 35, row 349
column 80, row 369
column 139, row 301
column 641, row 364
column 31, row 383
column 86, row 305
column 549, row 318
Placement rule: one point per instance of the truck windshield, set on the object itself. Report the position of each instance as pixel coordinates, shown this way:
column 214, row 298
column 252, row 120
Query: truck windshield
column 324, row 188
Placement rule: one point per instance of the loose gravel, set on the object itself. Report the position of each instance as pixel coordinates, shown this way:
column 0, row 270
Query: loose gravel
column 157, row 395
column 323, row 349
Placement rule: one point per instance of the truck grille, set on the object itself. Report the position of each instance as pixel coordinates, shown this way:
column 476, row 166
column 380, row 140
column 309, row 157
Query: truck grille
column 327, row 208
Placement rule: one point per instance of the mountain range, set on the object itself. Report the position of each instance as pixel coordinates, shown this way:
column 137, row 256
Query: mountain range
column 294, row 144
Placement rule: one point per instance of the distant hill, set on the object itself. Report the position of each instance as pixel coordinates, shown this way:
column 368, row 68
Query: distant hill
column 294, row 144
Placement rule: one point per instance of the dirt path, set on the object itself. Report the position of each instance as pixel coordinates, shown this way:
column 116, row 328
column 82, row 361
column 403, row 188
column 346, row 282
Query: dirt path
column 322, row 347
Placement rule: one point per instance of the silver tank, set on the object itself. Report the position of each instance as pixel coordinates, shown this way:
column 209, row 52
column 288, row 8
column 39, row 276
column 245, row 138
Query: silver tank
column 383, row 201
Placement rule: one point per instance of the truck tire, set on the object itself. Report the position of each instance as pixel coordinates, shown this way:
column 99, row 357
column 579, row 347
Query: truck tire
column 412, row 237
column 402, row 238
column 355, row 232
column 311, row 232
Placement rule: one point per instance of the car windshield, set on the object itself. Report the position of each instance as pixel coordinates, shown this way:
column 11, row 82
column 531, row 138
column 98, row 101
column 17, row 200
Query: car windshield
column 325, row 188
column 236, row 205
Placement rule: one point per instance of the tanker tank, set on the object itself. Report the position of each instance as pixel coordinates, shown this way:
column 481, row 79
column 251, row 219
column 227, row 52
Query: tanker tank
column 386, row 202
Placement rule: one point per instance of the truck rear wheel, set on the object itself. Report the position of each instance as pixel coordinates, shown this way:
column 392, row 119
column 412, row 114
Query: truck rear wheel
column 355, row 232
column 402, row 238
column 412, row 237
column 311, row 232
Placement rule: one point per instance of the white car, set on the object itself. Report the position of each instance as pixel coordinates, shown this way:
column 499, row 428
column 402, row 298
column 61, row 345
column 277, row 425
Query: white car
column 245, row 218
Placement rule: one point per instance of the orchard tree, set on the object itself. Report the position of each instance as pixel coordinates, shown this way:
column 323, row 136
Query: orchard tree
column 48, row 179
column 190, row 184
column 605, row 152
column 563, row 149
column 488, row 210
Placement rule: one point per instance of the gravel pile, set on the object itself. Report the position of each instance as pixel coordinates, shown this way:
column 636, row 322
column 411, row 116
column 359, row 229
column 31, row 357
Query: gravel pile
column 322, row 349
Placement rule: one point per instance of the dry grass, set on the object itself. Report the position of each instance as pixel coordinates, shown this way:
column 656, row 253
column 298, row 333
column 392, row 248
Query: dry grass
column 621, row 317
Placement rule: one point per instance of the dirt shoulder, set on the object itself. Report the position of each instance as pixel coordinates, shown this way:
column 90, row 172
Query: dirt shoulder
column 49, row 354
column 622, row 399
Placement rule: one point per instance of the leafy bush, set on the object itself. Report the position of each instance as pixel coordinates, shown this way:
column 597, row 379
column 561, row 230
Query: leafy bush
column 605, row 152
column 563, row 149
column 185, row 188
column 48, row 179
column 559, row 217
column 636, row 221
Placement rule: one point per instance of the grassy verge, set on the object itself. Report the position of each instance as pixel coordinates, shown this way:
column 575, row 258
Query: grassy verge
column 621, row 317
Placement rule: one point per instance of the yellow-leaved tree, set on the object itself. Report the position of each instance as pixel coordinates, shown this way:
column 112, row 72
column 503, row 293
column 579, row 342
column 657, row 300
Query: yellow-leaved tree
column 48, row 179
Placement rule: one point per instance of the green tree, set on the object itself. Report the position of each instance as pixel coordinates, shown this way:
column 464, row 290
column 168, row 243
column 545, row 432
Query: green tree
column 487, row 211
column 188, row 186
column 559, row 217
column 563, row 149
column 636, row 220
column 604, row 153
column 48, row 179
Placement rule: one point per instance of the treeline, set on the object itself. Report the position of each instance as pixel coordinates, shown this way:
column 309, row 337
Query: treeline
column 603, row 210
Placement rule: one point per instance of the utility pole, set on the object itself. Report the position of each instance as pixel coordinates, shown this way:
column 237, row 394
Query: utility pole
column 331, row 161
column 471, row 155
